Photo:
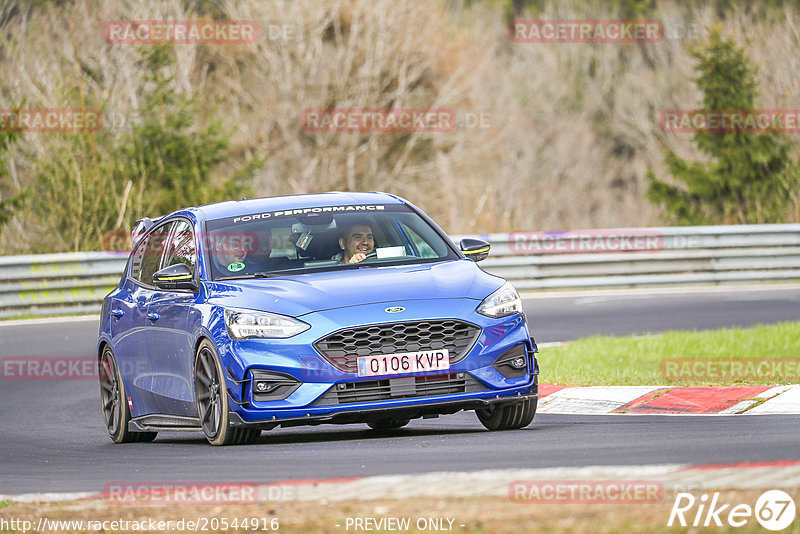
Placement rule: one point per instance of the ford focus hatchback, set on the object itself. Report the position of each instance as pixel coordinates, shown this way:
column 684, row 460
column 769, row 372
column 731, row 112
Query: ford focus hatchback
column 238, row 317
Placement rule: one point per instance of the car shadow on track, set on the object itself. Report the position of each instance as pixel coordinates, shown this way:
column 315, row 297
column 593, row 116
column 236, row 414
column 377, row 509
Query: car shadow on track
column 294, row 436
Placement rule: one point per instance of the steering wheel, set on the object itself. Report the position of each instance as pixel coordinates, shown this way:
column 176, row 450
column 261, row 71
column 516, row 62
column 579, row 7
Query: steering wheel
column 371, row 256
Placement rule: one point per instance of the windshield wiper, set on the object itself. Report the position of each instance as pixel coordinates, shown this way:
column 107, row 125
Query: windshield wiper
column 338, row 267
column 346, row 266
column 273, row 274
column 270, row 274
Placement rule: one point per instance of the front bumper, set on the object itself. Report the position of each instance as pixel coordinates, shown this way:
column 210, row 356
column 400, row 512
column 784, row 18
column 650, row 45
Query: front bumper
column 428, row 408
column 410, row 407
column 317, row 397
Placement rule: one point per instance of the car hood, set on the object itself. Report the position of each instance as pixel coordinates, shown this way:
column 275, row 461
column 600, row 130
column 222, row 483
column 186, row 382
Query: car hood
column 306, row 293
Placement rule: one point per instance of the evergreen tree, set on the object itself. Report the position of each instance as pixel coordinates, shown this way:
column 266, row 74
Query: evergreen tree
column 172, row 155
column 745, row 182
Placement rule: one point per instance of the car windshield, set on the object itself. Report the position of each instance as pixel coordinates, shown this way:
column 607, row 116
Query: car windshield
column 297, row 241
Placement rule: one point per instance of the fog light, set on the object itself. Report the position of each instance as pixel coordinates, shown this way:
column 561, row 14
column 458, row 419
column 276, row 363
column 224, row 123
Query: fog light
column 513, row 363
column 272, row 386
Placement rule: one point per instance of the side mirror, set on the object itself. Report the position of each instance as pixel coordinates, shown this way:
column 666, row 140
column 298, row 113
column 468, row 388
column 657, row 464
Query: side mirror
column 178, row 276
column 475, row 249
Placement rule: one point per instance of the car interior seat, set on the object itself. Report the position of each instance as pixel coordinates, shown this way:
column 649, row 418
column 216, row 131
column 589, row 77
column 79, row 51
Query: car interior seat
column 316, row 246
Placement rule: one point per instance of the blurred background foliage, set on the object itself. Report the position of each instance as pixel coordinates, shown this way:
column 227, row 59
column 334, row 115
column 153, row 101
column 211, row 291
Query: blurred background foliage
column 548, row 136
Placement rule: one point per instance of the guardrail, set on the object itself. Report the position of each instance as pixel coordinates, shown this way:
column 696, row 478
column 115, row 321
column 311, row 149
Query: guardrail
column 643, row 257
column 56, row 284
column 53, row 284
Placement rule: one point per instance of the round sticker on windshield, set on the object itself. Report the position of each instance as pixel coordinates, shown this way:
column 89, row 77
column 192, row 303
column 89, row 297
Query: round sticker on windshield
column 236, row 266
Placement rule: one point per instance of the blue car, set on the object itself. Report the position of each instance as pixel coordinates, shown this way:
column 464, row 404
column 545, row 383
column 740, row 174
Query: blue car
column 241, row 316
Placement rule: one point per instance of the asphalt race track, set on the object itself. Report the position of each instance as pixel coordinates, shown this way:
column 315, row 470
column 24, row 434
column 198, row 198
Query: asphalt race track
column 53, row 438
column 560, row 318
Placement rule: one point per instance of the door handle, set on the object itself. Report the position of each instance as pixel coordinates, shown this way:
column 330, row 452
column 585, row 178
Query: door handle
column 153, row 316
column 117, row 312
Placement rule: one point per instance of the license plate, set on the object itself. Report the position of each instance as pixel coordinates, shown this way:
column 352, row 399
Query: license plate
column 407, row 362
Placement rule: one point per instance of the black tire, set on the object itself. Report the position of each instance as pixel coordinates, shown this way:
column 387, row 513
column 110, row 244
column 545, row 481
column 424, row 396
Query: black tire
column 509, row 416
column 388, row 423
column 113, row 402
column 211, row 398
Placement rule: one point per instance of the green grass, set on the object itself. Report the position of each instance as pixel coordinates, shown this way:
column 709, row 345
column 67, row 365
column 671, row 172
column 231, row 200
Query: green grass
column 639, row 360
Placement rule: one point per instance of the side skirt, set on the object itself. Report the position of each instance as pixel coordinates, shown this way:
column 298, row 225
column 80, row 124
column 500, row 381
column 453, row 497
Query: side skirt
column 164, row 423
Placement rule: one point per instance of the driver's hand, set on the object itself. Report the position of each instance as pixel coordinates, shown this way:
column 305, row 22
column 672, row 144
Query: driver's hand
column 357, row 257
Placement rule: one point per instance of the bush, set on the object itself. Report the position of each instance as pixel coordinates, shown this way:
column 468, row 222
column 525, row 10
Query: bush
column 97, row 183
column 10, row 203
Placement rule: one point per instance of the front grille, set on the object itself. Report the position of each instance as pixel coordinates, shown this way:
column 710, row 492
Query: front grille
column 400, row 388
column 343, row 348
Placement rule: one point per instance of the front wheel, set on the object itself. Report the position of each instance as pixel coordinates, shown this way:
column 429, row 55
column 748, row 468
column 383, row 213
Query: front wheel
column 509, row 416
column 211, row 397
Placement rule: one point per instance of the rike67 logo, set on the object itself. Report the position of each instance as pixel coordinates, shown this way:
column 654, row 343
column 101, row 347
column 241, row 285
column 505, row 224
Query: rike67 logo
column 774, row 510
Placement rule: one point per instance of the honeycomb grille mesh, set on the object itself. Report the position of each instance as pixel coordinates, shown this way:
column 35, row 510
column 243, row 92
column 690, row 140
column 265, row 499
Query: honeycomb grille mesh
column 343, row 348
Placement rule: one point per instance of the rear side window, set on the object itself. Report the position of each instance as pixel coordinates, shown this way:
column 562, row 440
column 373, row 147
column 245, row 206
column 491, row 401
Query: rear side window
column 147, row 256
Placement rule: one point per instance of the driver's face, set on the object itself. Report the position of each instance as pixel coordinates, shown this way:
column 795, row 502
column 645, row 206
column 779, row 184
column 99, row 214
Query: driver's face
column 359, row 239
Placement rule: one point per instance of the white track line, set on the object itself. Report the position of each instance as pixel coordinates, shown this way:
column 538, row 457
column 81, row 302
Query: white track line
column 743, row 406
column 497, row 482
column 785, row 402
column 51, row 320
column 592, row 399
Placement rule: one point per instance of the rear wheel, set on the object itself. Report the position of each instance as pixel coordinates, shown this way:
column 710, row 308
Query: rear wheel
column 211, row 396
column 114, row 402
column 509, row 416
column 388, row 423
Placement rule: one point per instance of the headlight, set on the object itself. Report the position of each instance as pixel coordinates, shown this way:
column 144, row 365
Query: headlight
column 244, row 324
column 502, row 303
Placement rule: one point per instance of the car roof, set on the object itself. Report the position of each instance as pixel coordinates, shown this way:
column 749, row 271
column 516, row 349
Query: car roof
column 231, row 208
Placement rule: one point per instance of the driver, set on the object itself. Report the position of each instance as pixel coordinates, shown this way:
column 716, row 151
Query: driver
column 357, row 243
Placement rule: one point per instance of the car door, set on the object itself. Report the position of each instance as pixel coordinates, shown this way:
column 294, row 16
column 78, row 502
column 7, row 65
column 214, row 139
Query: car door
column 129, row 322
column 169, row 340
